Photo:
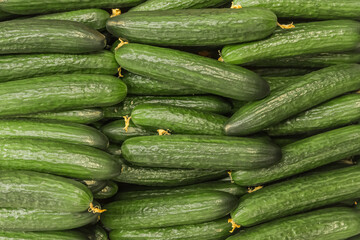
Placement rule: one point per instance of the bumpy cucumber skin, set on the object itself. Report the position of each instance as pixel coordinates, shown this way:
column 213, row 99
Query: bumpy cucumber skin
column 297, row 195
column 152, row 5
column 48, row 36
column 282, row 72
column 194, row 27
column 178, row 120
column 199, row 72
column 46, row 235
column 108, row 191
column 305, row 38
column 326, row 9
column 214, row 230
column 196, row 151
column 306, row 154
column 310, row 90
column 167, row 211
column 278, row 82
column 334, row 113
column 23, row 66
column 325, row 224
column 60, row 92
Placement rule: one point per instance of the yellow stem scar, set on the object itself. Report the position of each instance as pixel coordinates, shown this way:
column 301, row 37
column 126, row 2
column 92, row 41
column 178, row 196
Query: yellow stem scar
column 127, row 122
column 356, row 203
column 122, row 43
column 95, row 209
column 115, row 12
column 119, row 72
column 234, row 225
column 163, row 132
column 235, row 6
column 251, row 190
column 231, row 179
column 286, row 26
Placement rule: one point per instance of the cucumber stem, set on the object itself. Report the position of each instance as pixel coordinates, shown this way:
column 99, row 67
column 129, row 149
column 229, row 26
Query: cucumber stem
column 115, row 12
column 234, row 225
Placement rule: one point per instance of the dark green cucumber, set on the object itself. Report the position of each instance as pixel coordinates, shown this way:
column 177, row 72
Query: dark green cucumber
column 282, row 72
column 5, row 15
column 214, row 230
column 53, row 130
column 305, row 38
column 32, row 190
column 70, row 160
column 152, row 5
column 22, row 66
column 304, row 155
column 99, row 234
column 297, row 195
column 278, row 82
column 194, row 27
column 60, row 92
column 179, row 120
column 313, row 9
column 108, row 191
column 283, row 141
column 94, row 18
column 48, row 36
column 199, row 72
column 94, row 185
column 46, row 235
column 164, row 211
column 114, row 149
column 337, row 112
column 196, row 151
column 310, row 90
column 325, row 224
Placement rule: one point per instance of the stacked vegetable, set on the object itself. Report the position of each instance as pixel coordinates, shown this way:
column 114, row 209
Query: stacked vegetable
column 184, row 143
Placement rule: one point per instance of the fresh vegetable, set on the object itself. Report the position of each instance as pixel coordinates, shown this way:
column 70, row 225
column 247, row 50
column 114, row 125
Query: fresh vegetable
column 114, row 149
column 46, row 235
column 95, row 186
column 108, row 191
column 279, row 82
column 282, row 72
column 152, row 5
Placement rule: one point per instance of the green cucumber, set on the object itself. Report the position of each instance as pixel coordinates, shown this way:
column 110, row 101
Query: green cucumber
column 305, row 38
column 179, row 120
column 199, row 72
column 297, row 195
column 304, row 155
column 48, row 36
column 32, row 190
column 278, row 82
column 337, row 112
column 6, row 15
column 194, row 27
column 152, row 5
column 95, row 186
column 108, row 191
column 357, row 237
column 114, row 149
column 325, row 224
column 313, row 9
column 60, row 92
column 177, row 209
column 310, row 90
column 282, row 72
column 196, row 151
column 70, row 160
column 23, row 66
column 46, row 235
column 53, row 130
column 100, row 234
column 214, row 230
column 283, row 141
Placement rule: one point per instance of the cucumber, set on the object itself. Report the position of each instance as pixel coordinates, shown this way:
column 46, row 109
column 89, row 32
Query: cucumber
column 305, row 38
column 100, row 234
column 214, row 230
column 178, row 120
column 152, row 5
column 283, row 141
column 23, row 66
column 304, row 155
column 59, row 92
column 47, row 235
column 95, row 186
column 310, row 90
column 192, row 70
column 114, row 149
column 94, row 18
column 282, row 72
column 313, row 9
column 325, row 224
column 32, row 190
column 337, row 112
column 278, row 82
column 53, row 130
column 5, row 15
column 48, row 36
column 194, row 27
column 70, row 160
column 108, row 191
column 177, row 209
column 196, row 151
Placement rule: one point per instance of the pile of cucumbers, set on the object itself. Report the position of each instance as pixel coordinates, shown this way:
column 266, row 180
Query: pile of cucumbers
column 179, row 119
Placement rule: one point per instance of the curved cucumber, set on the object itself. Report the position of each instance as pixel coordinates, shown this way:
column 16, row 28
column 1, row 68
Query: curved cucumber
column 94, row 185
column 188, row 208
column 46, row 235
column 194, row 27
column 199, row 72
column 310, row 90
column 152, row 5
column 305, row 38
column 114, row 149
column 59, row 92
column 108, row 191
column 178, row 120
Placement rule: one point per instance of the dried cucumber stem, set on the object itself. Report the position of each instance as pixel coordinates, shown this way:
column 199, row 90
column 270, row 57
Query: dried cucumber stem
column 234, row 225
column 119, row 72
column 251, row 190
column 127, row 122
column 95, row 209
column 122, row 43
column 235, row 6
column 163, row 132
column 115, row 12
column 286, row 26
column 220, row 59
column 231, row 179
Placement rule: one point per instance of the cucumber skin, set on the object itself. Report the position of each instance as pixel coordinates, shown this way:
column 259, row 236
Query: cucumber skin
column 70, row 160
column 310, row 90
column 94, row 185
column 114, row 149
column 279, row 82
column 196, row 151
column 48, row 36
column 194, row 27
column 282, row 72
column 192, row 70
column 305, row 38
column 22, row 66
column 306, row 154
column 46, row 235
column 297, row 195
column 214, row 230
column 325, row 224
column 108, row 191
column 188, row 208
column 152, row 5
column 179, row 120
column 5, row 15
column 334, row 113
column 59, row 92
column 328, row 9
